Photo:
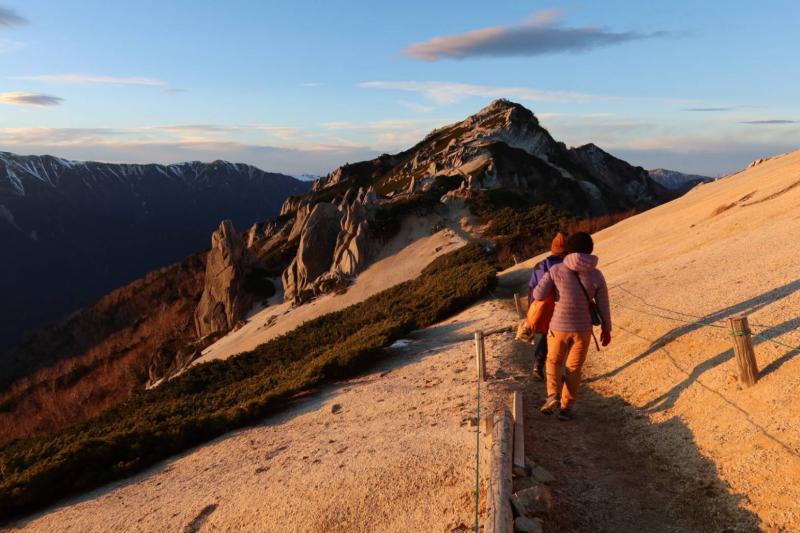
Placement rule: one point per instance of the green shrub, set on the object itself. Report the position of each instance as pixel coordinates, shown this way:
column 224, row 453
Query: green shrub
column 213, row 398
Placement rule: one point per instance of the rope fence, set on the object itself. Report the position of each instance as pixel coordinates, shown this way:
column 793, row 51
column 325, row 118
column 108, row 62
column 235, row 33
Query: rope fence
column 699, row 321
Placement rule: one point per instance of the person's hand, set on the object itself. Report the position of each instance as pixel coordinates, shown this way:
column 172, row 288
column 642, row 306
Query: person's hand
column 605, row 338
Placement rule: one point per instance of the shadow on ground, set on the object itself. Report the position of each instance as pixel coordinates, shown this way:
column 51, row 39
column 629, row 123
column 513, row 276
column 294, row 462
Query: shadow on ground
column 617, row 472
column 745, row 307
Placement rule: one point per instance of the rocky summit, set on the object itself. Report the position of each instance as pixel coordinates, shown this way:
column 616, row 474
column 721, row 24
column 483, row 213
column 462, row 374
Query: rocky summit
column 501, row 148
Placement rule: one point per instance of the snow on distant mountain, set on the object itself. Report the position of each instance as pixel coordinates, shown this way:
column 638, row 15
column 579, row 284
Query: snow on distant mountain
column 677, row 181
column 71, row 231
column 307, row 177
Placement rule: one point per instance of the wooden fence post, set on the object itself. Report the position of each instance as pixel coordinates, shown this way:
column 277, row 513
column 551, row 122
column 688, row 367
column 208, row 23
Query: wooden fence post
column 499, row 517
column 743, row 348
column 519, row 431
column 480, row 356
column 518, row 306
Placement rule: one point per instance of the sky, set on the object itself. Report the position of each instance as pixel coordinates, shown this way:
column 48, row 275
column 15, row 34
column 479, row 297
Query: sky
column 302, row 87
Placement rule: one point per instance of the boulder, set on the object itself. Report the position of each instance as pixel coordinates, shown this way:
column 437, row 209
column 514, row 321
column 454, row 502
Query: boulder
column 334, row 245
column 224, row 302
column 300, row 219
column 523, row 524
column 291, row 204
column 352, row 244
column 533, row 500
column 541, row 475
column 261, row 232
column 315, row 251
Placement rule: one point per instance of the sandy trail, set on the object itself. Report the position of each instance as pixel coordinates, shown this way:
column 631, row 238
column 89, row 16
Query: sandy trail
column 725, row 248
column 392, row 450
column 615, row 471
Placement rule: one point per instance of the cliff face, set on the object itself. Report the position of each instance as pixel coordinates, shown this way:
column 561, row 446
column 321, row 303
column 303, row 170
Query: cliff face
column 334, row 244
column 224, row 301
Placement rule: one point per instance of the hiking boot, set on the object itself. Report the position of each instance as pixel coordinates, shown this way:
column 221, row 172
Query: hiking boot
column 538, row 374
column 550, row 405
column 565, row 414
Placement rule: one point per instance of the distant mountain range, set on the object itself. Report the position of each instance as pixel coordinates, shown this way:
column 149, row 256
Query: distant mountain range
column 677, row 181
column 72, row 231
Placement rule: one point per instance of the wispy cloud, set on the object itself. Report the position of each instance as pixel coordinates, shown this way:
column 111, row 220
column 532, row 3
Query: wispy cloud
column 29, row 99
column 7, row 45
column 416, row 107
column 56, row 136
column 719, row 109
column 172, row 90
column 91, row 79
column 771, row 121
column 539, row 35
column 145, row 145
column 448, row 92
column 9, row 18
column 709, row 109
column 310, row 84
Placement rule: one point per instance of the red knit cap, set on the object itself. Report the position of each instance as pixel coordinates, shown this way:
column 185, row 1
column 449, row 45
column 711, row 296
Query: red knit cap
column 559, row 244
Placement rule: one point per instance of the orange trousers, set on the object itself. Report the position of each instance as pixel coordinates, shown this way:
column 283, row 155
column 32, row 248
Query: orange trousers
column 558, row 348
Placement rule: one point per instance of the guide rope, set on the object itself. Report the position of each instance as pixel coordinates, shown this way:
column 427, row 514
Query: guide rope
column 701, row 322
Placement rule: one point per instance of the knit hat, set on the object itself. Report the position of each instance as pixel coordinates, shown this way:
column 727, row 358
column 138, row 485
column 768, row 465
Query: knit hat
column 558, row 246
column 580, row 242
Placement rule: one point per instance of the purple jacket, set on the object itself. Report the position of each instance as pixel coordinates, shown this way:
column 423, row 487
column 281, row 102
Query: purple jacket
column 572, row 309
column 539, row 271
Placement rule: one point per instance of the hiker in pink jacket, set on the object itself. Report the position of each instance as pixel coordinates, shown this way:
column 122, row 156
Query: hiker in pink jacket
column 576, row 281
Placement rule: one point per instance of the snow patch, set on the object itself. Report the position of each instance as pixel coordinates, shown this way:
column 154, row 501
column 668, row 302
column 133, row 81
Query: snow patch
column 400, row 344
column 8, row 216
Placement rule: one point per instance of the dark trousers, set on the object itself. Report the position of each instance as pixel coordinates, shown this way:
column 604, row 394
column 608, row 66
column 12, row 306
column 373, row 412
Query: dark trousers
column 540, row 353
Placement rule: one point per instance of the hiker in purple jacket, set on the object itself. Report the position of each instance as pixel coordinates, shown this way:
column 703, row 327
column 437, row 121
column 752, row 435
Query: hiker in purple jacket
column 557, row 250
column 576, row 281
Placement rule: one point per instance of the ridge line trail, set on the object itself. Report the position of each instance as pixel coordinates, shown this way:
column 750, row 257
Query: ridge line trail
column 735, row 451
column 615, row 470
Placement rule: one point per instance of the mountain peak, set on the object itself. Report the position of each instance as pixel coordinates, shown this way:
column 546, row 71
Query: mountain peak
column 514, row 114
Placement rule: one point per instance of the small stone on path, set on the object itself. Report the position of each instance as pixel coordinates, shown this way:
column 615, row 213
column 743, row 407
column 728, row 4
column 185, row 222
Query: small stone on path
column 523, row 524
column 541, row 475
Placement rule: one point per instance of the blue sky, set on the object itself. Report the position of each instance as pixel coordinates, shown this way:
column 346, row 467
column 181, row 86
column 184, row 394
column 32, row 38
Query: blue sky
column 301, row 87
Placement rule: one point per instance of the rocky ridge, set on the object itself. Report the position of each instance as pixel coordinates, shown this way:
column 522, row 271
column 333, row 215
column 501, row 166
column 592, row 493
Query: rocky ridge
column 502, row 147
column 224, row 300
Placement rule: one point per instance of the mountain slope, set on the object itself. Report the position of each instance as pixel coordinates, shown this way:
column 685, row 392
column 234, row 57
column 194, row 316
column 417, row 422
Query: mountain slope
column 72, row 230
column 677, row 273
column 677, row 181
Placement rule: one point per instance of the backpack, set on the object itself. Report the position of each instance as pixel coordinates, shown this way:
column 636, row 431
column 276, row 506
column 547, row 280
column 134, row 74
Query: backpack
column 539, row 270
column 540, row 312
